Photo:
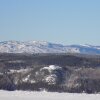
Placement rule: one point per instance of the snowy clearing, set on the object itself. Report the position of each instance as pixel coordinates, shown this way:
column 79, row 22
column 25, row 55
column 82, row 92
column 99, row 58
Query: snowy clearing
column 23, row 95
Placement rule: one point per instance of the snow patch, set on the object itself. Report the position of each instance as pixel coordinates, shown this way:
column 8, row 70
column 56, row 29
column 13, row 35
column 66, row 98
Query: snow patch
column 26, row 78
column 20, row 70
column 51, row 68
column 51, row 79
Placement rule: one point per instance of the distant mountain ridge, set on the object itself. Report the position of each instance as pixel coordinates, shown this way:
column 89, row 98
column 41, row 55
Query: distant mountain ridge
column 45, row 47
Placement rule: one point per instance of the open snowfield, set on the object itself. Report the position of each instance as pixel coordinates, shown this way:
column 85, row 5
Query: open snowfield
column 22, row 95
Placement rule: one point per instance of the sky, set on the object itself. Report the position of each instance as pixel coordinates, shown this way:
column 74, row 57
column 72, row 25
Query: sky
column 58, row 21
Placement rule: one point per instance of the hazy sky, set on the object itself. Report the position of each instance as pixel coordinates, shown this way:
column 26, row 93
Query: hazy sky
column 60, row 21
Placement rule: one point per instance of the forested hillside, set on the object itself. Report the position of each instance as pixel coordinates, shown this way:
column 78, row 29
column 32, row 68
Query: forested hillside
column 52, row 72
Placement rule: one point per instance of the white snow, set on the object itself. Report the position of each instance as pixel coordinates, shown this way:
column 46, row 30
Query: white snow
column 23, row 95
column 51, row 68
column 43, row 47
column 32, row 81
column 30, row 47
column 20, row 70
column 51, row 79
column 26, row 78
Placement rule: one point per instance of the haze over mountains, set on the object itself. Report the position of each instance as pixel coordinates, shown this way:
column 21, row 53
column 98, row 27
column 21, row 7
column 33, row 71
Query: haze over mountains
column 45, row 47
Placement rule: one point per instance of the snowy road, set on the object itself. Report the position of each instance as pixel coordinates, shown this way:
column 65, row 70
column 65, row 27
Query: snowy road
column 20, row 95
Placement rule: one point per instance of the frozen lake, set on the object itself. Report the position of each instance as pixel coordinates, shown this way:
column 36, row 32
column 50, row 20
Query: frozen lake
column 22, row 95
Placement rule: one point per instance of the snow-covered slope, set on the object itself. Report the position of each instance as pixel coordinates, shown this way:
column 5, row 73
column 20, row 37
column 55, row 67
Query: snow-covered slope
column 45, row 47
column 30, row 47
column 23, row 95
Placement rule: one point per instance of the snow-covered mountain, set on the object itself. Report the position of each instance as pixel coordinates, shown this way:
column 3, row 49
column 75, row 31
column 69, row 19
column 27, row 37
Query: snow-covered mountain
column 45, row 47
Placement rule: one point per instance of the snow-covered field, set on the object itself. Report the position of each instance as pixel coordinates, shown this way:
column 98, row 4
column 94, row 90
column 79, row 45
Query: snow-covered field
column 22, row 95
